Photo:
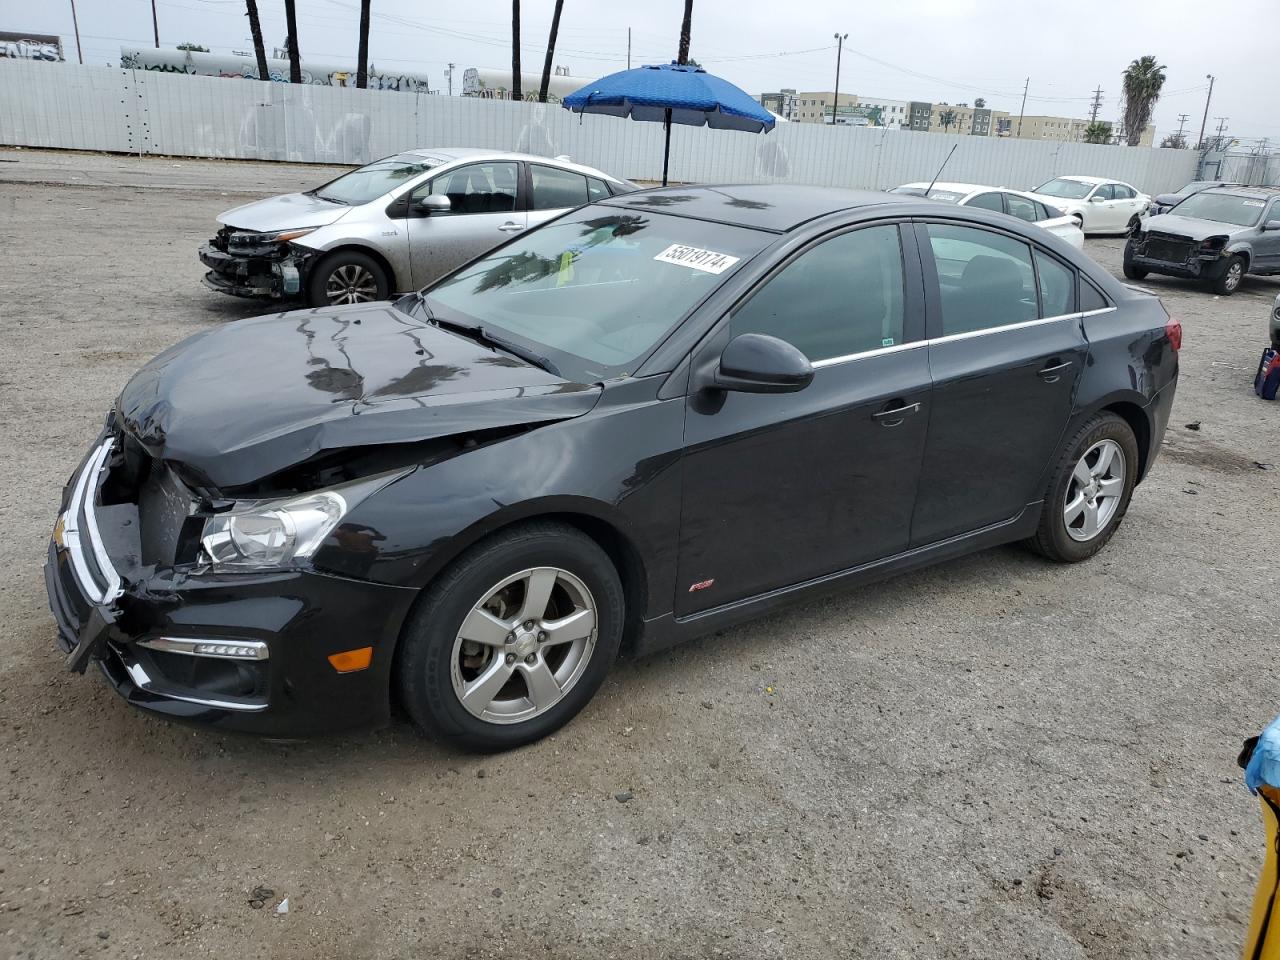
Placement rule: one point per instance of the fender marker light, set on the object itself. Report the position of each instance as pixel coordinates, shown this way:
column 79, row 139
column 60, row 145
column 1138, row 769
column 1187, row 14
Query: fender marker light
column 349, row 661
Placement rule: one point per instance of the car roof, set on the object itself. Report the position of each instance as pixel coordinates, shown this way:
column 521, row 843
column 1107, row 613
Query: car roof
column 774, row 207
column 1257, row 193
column 450, row 154
column 1083, row 179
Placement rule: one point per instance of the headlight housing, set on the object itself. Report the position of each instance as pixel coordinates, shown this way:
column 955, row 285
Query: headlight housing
column 274, row 534
column 248, row 239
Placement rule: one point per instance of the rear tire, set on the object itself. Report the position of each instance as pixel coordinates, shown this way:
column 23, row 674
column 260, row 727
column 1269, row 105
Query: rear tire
column 1089, row 490
column 516, row 683
column 1231, row 277
column 346, row 277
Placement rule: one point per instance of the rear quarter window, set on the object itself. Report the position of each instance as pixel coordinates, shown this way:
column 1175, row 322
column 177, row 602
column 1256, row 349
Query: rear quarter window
column 1091, row 298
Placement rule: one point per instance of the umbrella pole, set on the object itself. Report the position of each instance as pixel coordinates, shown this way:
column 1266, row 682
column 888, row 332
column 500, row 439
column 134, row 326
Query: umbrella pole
column 666, row 150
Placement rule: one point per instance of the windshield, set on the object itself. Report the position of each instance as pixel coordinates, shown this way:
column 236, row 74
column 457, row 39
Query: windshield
column 1066, row 189
column 1222, row 208
column 597, row 290
column 374, row 180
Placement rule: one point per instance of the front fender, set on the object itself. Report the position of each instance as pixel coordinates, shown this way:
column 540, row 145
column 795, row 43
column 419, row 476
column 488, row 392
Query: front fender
column 387, row 240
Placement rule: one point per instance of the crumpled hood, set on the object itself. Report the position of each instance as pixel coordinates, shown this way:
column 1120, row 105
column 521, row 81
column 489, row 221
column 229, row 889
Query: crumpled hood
column 241, row 402
column 288, row 212
column 1190, row 227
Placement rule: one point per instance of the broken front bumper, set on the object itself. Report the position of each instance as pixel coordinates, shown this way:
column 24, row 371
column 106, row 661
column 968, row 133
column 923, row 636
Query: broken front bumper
column 275, row 275
column 245, row 652
column 1175, row 259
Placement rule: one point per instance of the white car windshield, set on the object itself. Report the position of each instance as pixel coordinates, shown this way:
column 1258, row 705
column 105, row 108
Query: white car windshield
column 596, row 290
column 1222, row 208
column 1066, row 189
column 374, row 180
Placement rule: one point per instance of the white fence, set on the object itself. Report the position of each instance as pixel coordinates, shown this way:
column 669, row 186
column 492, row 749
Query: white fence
column 148, row 112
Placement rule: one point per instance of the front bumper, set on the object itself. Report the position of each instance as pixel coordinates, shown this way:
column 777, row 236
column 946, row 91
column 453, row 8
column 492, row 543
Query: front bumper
column 1194, row 265
column 301, row 616
column 272, row 274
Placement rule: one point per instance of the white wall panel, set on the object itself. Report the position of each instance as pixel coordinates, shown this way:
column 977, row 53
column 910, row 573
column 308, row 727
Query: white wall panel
column 145, row 112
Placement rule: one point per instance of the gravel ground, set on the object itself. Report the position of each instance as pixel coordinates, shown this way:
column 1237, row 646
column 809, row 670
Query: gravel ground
column 997, row 757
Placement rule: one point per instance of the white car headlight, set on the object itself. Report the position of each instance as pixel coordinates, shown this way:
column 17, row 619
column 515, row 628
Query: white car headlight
column 272, row 534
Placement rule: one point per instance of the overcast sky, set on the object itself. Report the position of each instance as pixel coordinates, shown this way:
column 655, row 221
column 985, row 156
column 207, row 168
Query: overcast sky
column 938, row 50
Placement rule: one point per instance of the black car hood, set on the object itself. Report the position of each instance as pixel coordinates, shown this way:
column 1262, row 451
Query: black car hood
column 1190, row 227
column 246, row 400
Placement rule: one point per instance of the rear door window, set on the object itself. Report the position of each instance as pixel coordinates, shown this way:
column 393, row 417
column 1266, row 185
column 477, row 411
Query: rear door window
column 1022, row 208
column 987, row 201
column 985, row 279
column 1091, row 297
column 557, row 189
column 1122, row 192
column 596, row 189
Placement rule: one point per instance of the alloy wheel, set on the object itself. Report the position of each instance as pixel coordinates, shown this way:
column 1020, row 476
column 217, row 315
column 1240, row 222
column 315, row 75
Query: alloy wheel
column 1235, row 273
column 351, row 283
column 1094, row 493
column 524, row 645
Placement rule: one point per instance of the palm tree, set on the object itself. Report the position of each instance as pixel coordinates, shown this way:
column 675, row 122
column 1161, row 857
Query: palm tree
column 255, row 28
column 291, row 41
column 686, row 30
column 979, row 103
column 551, row 50
column 362, row 56
column 947, row 118
column 1097, row 132
column 1142, row 82
column 515, row 50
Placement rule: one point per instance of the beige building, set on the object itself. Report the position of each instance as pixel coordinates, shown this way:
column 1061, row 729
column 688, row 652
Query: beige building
column 966, row 119
column 1067, row 129
column 816, row 107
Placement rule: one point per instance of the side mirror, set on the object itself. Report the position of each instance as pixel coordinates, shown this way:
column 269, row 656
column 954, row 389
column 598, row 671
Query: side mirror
column 757, row 363
column 1097, row 198
column 432, row 203
column 1168, row 199
column 1271, row 225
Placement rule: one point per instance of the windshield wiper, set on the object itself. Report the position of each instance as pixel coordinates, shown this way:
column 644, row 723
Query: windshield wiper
column 481, row 335
column 321, row 196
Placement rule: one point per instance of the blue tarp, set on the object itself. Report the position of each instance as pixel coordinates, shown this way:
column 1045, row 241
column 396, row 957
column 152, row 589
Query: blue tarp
column 693, row 96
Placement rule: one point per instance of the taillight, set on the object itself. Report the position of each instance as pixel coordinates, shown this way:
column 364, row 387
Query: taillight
column 1173, row 330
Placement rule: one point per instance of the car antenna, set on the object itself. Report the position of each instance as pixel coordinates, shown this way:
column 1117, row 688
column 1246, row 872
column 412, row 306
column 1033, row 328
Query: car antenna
column 939, row 173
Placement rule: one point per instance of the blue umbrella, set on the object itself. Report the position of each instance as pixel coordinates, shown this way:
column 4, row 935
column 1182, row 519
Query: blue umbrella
column 672, row 93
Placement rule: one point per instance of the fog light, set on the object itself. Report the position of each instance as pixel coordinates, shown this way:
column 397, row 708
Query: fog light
column 219, row 649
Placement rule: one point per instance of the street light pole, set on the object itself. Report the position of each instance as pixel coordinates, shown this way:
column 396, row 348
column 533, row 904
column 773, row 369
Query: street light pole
column 840, row 39
column 1205, row 119
column 76, row 26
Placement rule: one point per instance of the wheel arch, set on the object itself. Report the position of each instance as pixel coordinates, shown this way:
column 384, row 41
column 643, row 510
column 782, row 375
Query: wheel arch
column 358, row 247
column 1132, row 410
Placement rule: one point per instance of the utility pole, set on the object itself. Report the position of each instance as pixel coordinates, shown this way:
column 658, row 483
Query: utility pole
column 1182, row 122
column 835, row 107
column 1222, row 122
column 76, row 25
column 1205, row 119
column 1097, row 105
column 449, row 74
column 155, row 24
column 1023, row 108
column 628, row 48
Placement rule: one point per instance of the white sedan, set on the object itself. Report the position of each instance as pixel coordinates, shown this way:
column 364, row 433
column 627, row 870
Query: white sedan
column 1013, row 202
column 1099, row 205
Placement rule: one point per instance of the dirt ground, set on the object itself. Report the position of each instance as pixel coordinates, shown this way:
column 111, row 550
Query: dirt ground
column 997, row 757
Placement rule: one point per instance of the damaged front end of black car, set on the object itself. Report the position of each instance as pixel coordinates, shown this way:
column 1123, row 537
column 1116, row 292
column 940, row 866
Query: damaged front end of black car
column 214, row 553
column 247, row 263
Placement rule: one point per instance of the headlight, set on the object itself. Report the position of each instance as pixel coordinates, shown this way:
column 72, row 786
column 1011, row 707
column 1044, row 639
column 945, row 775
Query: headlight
column 272, row 534
column 246, row 238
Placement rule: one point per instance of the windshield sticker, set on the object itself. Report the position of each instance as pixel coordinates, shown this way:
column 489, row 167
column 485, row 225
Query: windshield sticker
column 1253, row 203
column 708, row 261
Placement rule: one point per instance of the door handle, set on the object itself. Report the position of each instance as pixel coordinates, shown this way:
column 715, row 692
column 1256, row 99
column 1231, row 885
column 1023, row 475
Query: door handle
column 1053, row 374
column 892, row 416
column 510, row 227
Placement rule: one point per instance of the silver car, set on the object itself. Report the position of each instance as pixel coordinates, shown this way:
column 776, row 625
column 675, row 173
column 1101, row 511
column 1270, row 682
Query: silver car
column 393, row 225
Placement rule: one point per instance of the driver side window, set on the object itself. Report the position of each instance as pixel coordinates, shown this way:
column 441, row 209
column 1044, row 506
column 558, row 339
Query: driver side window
column 475, row 188
column 1104, row 192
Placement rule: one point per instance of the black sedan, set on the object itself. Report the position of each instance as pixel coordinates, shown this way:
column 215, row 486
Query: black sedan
column 653, row 417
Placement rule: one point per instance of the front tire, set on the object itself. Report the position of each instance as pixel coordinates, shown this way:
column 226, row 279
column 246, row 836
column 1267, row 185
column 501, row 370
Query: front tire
column 346, row 277
column 1089, row 490
column 1131, row 271
column 1228, row 282
column 512, row 640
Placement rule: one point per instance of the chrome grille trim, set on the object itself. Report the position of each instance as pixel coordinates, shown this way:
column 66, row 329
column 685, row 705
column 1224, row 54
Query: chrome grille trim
column 80, row 532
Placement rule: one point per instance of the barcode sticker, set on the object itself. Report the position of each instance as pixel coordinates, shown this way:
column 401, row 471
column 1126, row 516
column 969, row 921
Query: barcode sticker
column 708, row 261
column 1252, row 203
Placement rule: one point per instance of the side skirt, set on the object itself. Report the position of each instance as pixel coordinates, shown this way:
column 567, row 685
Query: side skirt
column 669, row 630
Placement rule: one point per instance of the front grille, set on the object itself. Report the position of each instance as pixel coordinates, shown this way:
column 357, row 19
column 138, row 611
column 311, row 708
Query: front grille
column 221, row 239
column 90, row 565
column 1168, row 248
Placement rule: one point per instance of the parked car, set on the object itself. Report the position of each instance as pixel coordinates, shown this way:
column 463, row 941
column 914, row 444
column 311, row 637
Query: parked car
column 1100, row 205
column 1015, row 203
column 1164, row 202
column 1274, row 325
column 661, row 414
column 1217, row 235
column 393, row 225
